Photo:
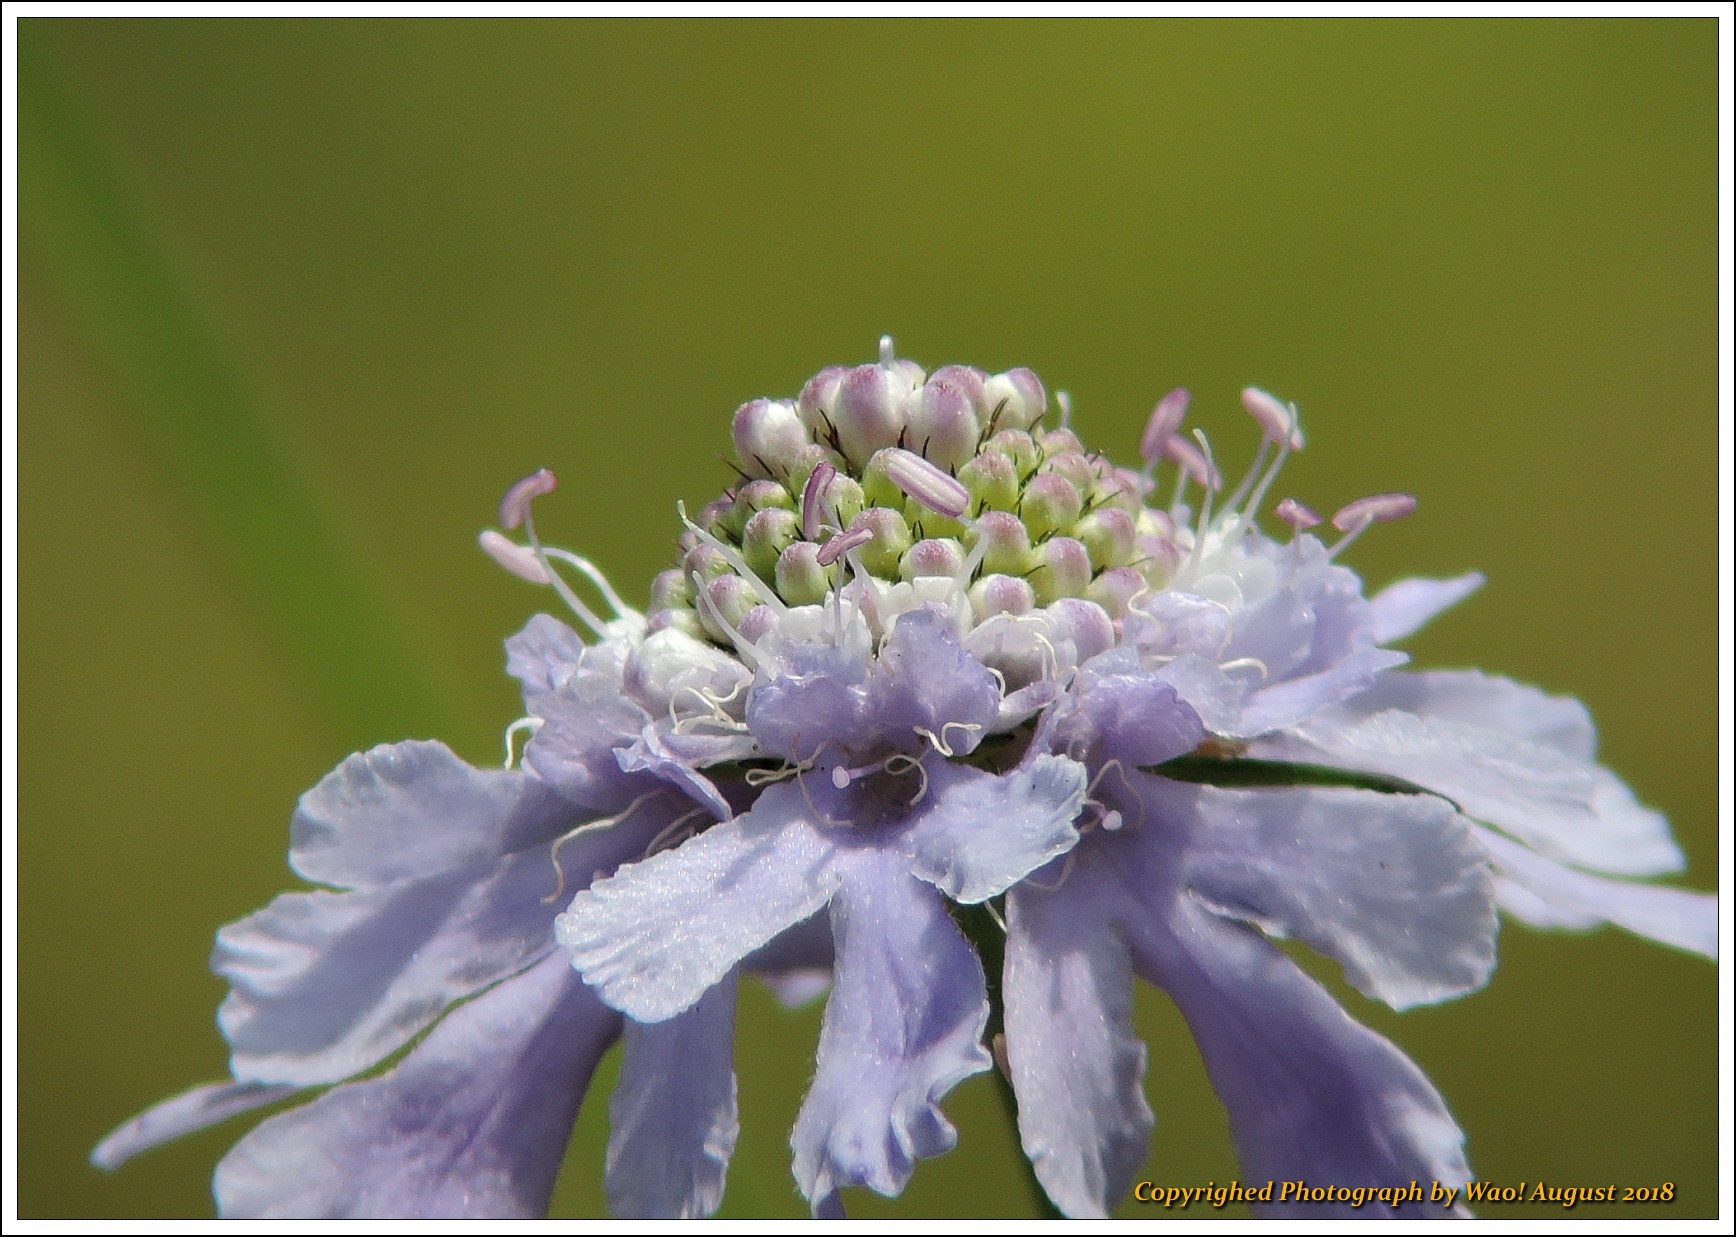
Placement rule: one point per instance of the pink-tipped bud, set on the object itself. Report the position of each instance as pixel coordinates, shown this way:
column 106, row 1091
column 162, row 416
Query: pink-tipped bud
column 1161, row 425
column 941, row 424
column 1375, row 509
column 812, row 493
column 1298, row 516
column 514, row 557
column 928, row 485
column 820, row 394
column 768, row 435
column 869, row 412
column 1000, row 594
column 969, row 380
column 1193, row 462
column 515, row 504
column 1019, row 398
column 838, row 546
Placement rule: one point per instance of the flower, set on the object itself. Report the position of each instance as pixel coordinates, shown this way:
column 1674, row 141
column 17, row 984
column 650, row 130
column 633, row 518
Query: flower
column 928, row 655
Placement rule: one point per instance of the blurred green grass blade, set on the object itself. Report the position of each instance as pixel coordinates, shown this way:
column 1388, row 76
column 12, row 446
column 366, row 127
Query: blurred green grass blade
column 358, row 662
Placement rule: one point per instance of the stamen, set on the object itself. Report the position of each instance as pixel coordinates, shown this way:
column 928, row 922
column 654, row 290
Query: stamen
column 674, row 829
column 1291, row 442
column 512, row 556
column 515, row 503
column 702, row 599
column 887, row 353
column 588, row 827
column 835, row 547
column 1066, row 402
column 1272, row 415
column 812, row 493
column 1354, row 518
column 733, row 557
column 1160, row 427
column 999, row 922
column 589, row 570
column 1246, row 663
column 940, row 744
column 1298, row 516
column 532, row 724
column 926, row 483
column 1205, row 521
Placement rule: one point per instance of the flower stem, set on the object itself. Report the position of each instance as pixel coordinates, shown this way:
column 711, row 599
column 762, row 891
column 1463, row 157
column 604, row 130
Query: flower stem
column 983, row 929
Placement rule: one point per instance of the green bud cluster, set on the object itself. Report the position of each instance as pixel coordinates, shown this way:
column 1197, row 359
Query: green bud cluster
column 1051, row 519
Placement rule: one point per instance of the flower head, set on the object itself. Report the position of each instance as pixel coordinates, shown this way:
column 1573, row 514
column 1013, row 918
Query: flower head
column 930, row 653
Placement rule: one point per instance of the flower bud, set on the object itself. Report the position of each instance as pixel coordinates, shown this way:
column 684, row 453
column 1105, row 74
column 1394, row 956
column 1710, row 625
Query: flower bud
column 936, row 556
column 998, row 594
column 969, row 380
column 1008, row 549
column 1064, row 570
column 800, row 579
column 992, row 481
column 753, row 497
column 816, row 405
column 1078, row 468
column 671, row 590
column 764, row 537
column 869, row 412
column 1015, row 399
column 1114, row 588
column 684, row 621
column 768, row 436
column 1161, row 426
column 1107, row 534
column 1050, row 504
column 1019, row 448
column 1084, row 623
column 940, row 424
column 802, row 466
column 1059, row 441
column 889, row 539
column 757, row 623
column 707, row 561
column 727, row 598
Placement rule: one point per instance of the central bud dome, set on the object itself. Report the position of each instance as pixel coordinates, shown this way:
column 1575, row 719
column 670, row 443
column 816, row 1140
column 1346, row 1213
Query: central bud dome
column 884, row 471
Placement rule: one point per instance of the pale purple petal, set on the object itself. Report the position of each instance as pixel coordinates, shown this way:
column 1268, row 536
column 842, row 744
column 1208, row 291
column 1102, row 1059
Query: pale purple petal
column 797, row 964
column 1549, row 895
column 1311, row 1093
column 924, row 679
column 672, row 1118
column 1294, row 701
column 1077, row 1067
column 1402, row 609
column 902, row 1028
column 1394, row 887
column 185, row 1113
column 1559, row 806
column 672, row 759
column 584, row 722
column 1478, row 699
column 812, row 695
column 544, row 655
column 324, row 985
column 472, row 1123
column 411, row 810
column 1127, row 713
column 976, row 833
column 654, row 936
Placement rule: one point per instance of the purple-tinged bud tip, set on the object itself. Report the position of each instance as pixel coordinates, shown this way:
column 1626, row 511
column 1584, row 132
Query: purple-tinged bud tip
column 928, row 485
column 1298, row 516
column 1375, row 509
column 1161, row 425
column 838, row 546
column 515, row 505
column 514, row 557
column 812, row 493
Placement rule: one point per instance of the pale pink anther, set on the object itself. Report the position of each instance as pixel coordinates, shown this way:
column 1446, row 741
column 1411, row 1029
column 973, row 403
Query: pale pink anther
column 1161, row 425
column 1193, row 462
column 516, row 502
column 1375, row 509
column 518, row 559
column 925, row 483
column 1298, row 516
column 838, row 546
column 812, row 493
column 1273, row 415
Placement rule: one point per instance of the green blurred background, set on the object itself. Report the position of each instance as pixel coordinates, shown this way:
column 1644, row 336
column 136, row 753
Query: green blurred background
column 299, row 299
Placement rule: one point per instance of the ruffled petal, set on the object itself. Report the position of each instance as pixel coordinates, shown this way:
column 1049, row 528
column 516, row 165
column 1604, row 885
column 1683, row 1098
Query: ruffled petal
column 409, row 810
column 185, row 1113
column 1076, row 1066
column 797, row 964
column 1560, row 806
column 924, row 681
column 1485, row 700
column 977, row 833
column 1295, row 700
column 544, row 655
column 1127, row 713
column 1394, row 887
column 809, row 696
column 903, row 1027
column 1401, row 609
column 649, row 754
column 672, row 1118
column 473, row 1123
column 1548, row 895
column 584, row 721
column 325, row 985
column 1312, row 1094
column 653, row 937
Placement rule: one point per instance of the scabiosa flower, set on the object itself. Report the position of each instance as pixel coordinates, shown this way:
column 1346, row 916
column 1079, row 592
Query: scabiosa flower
column 928, row 655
